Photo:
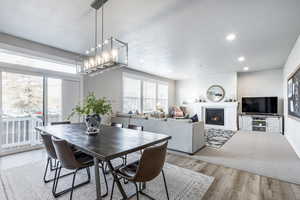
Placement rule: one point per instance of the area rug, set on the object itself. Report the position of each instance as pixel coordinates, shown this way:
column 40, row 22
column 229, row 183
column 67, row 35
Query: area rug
column 216, row 138
column 25, row 183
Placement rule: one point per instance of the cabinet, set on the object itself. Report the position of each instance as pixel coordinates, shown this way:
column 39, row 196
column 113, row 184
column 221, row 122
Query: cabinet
column 261, row 123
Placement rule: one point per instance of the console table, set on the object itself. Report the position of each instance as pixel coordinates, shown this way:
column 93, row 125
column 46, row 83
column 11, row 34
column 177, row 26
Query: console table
column 261, row 123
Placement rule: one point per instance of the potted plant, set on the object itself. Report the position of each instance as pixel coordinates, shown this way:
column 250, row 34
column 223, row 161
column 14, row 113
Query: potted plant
column 92, row 108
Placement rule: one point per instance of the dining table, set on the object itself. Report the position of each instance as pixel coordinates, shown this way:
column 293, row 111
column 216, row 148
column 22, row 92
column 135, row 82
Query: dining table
column 108, row 144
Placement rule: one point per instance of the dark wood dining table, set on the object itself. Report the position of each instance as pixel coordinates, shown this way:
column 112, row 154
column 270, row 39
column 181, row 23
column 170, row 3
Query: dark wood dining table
column 110, row 143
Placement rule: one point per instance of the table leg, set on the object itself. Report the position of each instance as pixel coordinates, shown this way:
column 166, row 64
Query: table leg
column 117, row 180
column 97, row 179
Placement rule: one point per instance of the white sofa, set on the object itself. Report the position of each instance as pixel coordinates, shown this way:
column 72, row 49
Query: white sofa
column 187, row 137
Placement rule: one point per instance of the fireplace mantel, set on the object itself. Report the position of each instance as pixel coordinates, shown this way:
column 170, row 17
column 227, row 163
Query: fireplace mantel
column 230, row 113
column 218, row 105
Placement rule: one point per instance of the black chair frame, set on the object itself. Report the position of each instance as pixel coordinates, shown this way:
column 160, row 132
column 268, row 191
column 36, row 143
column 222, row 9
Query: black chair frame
column 71, row 189
column 140, row 187
column 52, row 168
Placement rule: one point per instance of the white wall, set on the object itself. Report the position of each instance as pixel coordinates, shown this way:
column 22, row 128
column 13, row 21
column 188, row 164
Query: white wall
column 189, row 90
column 292, row 126
column 12, row 43
column 109, row 85
column 261, row 84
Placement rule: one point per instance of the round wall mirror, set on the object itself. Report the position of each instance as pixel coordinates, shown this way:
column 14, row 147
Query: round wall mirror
column 215, row 93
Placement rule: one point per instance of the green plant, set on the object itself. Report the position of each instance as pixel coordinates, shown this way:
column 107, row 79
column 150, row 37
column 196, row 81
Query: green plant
column 92, row 105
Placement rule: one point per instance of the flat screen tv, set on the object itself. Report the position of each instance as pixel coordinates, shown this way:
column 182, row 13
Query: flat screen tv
column 259, row 105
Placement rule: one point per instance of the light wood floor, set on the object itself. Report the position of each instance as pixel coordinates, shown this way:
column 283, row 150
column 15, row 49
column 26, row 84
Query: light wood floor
column 233, row 184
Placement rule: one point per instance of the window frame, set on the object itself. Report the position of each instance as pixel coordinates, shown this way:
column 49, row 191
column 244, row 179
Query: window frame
column 143, row 79
column 141, row 89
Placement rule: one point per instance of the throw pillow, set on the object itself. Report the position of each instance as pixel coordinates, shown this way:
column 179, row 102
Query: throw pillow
column 195, row 118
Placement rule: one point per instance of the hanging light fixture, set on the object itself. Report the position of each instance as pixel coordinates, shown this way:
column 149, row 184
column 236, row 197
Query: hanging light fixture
column 108, row 54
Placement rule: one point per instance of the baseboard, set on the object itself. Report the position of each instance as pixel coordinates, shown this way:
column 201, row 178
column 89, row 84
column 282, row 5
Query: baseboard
column 21, row 150
column 187, row 152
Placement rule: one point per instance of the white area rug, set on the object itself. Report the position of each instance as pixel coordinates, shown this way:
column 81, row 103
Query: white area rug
column 25, row 183
column 265, row 154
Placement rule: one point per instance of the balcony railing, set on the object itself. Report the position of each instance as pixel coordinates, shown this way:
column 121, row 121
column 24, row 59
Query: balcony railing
column 19, row 131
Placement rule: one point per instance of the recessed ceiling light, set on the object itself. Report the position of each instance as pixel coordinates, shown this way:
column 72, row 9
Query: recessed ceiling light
column 142, row 61
column 231, row 37
column 246, row 68
column 241, row 59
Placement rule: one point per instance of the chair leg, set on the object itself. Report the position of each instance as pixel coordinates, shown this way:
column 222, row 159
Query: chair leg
column 125, row 163
column 73, row 182
column 137, row 191
column 46, row 170
column 106, row 170
column 112, row 190
column 54, row 179
column 166, row 187
column 57, row 176
column 52, row 168
column 88, row 173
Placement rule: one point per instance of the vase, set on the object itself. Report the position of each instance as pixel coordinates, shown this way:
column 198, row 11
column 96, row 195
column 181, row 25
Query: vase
column 93, row 123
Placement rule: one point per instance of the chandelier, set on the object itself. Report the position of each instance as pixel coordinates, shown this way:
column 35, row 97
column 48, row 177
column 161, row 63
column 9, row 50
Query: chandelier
column 106, row 55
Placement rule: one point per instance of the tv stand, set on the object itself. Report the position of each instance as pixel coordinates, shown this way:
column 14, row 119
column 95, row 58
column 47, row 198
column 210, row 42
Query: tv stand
column 261, row 123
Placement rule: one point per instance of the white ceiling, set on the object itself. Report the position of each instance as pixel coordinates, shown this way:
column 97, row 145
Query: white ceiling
column 175, row 38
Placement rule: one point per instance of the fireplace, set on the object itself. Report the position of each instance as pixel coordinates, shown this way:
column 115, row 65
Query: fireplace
column 214, row 116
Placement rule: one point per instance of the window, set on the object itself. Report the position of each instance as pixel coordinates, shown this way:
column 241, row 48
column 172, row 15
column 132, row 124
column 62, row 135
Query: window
column 131, row 95
column 144, row 95
column 162, row 96
column 22, row 95
column 149, row 96
column 36, row 62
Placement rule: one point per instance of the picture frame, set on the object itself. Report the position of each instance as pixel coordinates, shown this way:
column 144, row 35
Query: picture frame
column 293, row 94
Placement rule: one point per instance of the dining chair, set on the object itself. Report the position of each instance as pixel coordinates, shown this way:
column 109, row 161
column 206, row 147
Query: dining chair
column 63, row 123
column 60, row 123
column 70, row 161
column 51, row 155
column 119, row 125
column 146, row 169
column 135, row 127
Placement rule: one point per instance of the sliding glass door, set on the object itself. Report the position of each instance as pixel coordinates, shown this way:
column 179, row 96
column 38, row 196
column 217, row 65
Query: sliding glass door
column 22, row 110
column 54, row 100
column 27, row 101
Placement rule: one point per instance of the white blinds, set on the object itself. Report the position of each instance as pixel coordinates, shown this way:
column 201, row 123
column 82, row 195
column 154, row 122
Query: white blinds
column 131, row 95
column 149, row 96
column 162, row 96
